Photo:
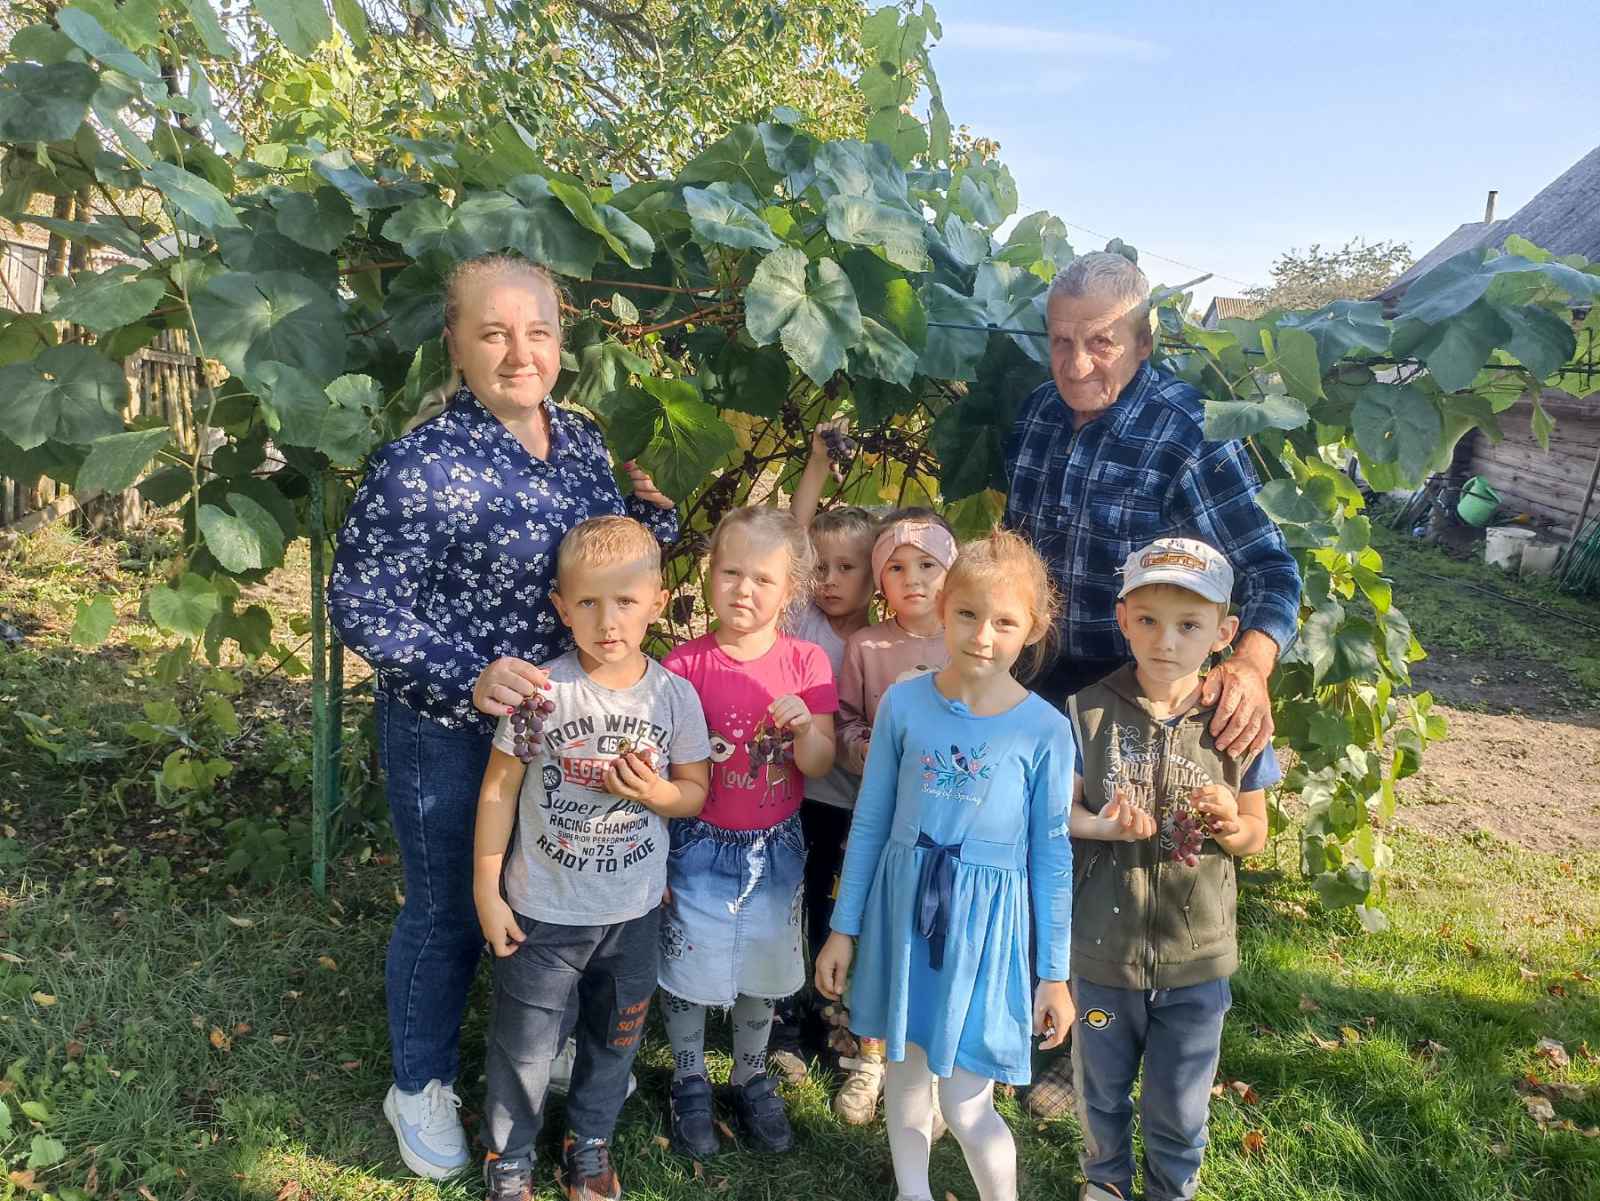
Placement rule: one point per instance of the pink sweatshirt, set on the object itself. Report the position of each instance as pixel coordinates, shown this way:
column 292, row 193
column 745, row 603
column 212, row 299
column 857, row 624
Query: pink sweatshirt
column 874, row 658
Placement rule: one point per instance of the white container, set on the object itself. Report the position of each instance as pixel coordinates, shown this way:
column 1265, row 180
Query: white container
column 1539, row 558
column 1504, row 544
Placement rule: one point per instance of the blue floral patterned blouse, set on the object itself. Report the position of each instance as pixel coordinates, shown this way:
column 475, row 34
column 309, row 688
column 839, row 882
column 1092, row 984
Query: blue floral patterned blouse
column 448, row 552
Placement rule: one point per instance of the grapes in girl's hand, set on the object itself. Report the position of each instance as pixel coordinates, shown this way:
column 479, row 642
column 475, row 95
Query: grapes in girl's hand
column 769, row 747
column 527, row 727
column 841, row 449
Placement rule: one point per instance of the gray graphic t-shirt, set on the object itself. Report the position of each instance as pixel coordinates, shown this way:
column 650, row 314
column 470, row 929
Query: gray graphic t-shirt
column 583, row 857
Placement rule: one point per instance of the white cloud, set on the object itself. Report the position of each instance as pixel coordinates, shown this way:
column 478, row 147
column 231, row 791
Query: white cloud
column 1025, row 39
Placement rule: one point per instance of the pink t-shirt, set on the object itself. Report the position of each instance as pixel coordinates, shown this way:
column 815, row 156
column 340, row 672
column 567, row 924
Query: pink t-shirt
column 735, row 696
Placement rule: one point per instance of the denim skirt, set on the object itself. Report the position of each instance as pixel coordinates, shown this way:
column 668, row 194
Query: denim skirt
column 733, row 925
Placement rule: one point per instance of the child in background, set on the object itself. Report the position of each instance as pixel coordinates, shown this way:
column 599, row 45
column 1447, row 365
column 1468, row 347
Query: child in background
column 578, row 904
column 912, row 550
column 841, row 539
column 1158, row 817
column 731, row 935
column 959, row 861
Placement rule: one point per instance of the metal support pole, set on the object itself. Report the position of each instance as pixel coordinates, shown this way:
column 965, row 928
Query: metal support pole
column 321, row 761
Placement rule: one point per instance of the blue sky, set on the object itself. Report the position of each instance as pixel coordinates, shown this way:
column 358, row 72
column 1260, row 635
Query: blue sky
column 1220, row 134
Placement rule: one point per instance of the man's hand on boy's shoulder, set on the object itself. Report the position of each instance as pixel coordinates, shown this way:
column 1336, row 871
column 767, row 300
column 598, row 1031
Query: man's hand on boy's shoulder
column 1238, row 688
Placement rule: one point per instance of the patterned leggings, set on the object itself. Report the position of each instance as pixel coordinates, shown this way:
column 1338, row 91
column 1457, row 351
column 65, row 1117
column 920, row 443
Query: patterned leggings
column 686, row 1030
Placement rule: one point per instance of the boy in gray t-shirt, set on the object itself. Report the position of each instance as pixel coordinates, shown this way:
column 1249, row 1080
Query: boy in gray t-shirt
column 618, row 745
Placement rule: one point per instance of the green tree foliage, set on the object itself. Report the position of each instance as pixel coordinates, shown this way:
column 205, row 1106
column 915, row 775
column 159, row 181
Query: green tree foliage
column 1309, row 279
column 777, row 277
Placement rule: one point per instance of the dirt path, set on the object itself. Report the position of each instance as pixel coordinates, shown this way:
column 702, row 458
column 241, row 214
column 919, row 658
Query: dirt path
column 1522, row 763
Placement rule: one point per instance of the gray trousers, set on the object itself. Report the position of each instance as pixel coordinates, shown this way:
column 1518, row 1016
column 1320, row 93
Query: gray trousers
column 613, row 970
column 1177, row 1034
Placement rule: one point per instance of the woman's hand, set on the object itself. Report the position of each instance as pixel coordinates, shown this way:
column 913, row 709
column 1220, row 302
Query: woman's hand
column 790, row 713
column 499, row 924
column 1053, row 1013
column 833, row 965
column 645, row 488
column 505, row 684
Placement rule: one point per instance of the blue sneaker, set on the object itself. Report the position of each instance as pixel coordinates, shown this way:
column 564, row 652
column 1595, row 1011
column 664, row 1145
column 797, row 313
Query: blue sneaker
column 432, row 1142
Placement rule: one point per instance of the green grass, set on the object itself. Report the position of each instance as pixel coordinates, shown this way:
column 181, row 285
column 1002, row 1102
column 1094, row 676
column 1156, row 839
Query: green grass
column 117, row 908
column 1437, row 591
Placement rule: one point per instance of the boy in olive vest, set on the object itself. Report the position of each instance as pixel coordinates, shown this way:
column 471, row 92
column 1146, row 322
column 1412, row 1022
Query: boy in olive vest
column 1159, row 816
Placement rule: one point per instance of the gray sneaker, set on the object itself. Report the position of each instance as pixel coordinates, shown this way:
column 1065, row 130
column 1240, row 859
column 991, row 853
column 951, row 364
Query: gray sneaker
column 561, row 1070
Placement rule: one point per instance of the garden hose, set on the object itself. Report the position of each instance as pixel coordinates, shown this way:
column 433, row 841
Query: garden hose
column 1580, row 571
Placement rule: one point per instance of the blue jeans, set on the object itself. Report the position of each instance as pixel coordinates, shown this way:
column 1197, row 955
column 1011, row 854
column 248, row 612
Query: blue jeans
column 1177, row 1034
column 431, row 774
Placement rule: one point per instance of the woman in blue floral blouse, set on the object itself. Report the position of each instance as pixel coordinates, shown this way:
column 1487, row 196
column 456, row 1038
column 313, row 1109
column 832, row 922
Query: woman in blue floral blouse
column 442, row 583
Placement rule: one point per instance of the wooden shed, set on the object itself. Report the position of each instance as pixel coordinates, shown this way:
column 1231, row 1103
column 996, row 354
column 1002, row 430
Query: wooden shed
column 1548, row 485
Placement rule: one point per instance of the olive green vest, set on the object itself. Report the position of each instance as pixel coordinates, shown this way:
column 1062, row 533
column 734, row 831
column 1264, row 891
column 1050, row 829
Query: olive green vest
column 1140, row 920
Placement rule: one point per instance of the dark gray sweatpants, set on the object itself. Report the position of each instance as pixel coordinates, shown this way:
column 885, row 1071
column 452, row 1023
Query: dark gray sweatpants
column 613, row 968
column 1177, row 1034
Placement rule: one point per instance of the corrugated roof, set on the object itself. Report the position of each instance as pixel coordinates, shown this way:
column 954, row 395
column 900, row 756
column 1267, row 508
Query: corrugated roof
column 1223, row 307
column 1564, row 218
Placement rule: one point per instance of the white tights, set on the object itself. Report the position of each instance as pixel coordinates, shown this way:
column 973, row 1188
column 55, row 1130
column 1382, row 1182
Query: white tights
column 968, row 1104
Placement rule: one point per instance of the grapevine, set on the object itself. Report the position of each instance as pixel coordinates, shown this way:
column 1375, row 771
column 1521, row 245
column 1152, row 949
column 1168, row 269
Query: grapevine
column 841, row 449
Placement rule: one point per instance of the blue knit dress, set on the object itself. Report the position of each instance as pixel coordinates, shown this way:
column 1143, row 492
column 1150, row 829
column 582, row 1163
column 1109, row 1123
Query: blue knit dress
column 958, row 859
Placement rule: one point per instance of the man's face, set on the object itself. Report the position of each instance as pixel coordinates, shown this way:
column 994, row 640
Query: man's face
column 1096, row 346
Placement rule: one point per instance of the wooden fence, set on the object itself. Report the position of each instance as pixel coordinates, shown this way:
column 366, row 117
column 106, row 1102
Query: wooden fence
column 163, row 379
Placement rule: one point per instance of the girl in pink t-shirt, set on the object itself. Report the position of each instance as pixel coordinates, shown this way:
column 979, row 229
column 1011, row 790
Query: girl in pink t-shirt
column 731, row 934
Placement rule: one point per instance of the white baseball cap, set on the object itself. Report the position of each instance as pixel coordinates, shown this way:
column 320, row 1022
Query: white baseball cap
column 1186, row 562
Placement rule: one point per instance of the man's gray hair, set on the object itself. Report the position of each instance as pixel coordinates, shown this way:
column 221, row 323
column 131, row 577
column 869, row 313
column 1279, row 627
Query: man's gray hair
column 1105, row 276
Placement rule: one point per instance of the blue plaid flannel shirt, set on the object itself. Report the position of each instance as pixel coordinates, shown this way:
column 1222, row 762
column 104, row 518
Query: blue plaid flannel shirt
column 1088, row 498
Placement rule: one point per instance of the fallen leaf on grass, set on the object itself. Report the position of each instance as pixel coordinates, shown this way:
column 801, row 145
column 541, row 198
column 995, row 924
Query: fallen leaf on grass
column 1499, row 1150
column 147, row 1194
column 726, row 1130
column 43, row 999
column 1472, row 949
column 1307, row 1005
column 1527, row 976
column 91, row 1180
column 10, row 958
column 1325, row 1044
column 328, row 962
column 1428, row 1049
column 290, row 1191
column 699, row 1170
column 242, row 1029
column 74, row 1049
column 1350, row 1034
column 23, row 1180
column 279, row 1039
column 349, row 1065
column 219, row 1040
column 1244, row 1092
column 1557, row 990
column 1254, row 1142
column 1548, row 1048
column 1217, row 1090
column 246, row 923
column 663, row 1142
column 1585, row 1054
column 1539, row 1108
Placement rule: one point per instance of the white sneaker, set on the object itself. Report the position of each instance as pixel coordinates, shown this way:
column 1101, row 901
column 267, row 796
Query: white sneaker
column 561, row 1070
column 432, row 1142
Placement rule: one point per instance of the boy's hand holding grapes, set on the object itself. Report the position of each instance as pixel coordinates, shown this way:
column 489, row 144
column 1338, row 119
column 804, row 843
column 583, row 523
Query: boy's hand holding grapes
column 1219, row 807
column 633, row 777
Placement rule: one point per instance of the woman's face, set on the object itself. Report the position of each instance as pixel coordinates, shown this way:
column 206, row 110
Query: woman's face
column 507, row 341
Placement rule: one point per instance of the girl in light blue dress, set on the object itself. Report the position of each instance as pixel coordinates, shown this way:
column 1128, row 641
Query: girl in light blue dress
column 958, row 859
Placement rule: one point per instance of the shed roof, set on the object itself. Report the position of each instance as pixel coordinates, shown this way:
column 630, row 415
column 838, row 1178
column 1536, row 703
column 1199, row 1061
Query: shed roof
column 1564, row 218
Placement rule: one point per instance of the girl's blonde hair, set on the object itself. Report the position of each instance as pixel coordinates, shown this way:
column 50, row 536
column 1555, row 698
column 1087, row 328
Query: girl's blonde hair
column 770, row 527
column 1006, row 560
column 455, row 283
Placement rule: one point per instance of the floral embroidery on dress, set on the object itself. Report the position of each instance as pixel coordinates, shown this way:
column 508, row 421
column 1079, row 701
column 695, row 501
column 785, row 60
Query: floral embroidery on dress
column 446, row 557
column 956, row 768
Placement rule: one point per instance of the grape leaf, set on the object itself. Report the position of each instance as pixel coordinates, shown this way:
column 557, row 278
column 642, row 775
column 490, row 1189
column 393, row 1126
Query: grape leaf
column 813, row 311
column 68, row 392
column 718, row 218
column 116, row 460
column 105, row 301
column 248, row 539
column 44, row 104
column 690, row 438
column 93, row 621
column 187, row 609
column 273, row 316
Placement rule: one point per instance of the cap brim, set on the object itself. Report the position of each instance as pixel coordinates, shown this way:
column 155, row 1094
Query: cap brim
column 1198, row 585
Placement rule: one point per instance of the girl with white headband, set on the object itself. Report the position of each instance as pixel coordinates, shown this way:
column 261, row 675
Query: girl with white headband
column 911, row 553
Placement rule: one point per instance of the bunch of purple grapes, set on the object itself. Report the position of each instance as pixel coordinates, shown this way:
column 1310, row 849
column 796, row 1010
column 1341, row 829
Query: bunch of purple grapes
column 527, row 726
column 1188, row 832
column 768, row 747
column 841, row 449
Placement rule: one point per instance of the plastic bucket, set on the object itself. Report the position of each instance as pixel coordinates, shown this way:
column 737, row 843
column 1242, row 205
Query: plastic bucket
column 1478, row 502
column 1505, row 544
column 1539, row 558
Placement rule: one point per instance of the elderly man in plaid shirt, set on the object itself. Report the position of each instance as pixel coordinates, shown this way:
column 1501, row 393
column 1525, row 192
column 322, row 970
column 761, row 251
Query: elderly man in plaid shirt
column 1110, row 455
